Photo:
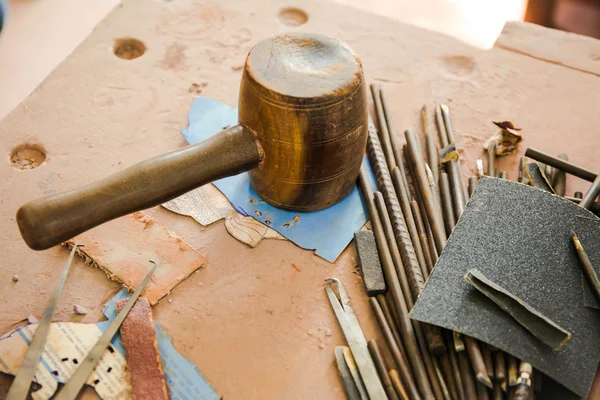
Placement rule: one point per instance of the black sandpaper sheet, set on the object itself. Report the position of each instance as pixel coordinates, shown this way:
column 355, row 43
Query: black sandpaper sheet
column 519, row 236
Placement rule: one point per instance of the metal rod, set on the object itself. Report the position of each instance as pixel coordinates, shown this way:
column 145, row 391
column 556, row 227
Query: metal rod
column 404, row 198
column 435, row 341
column 440, row 379
column 591, row 194
column 578, row 195
column 500, row 367
column 448, row 374
column 449, row 220
column 439, row 119
column 398, row 223
column 355, row 373
column 22, row 382
column 392, row 323
column 433, row 214
column 482, row 392
column 406, row 329
column 521, row 177
column 430, row 145
column 467, row 375
column 477, row 361
column 81, row 374
column 451, row 139
column 398, row 385
column 492, row 158
column 503, row 175
column 455, row 365
column 559, row 179
column 595, row 207
column 414, row 206
column 497, row 394
column 396, row 148
column 382, row 369
column 561, row 164
column 472, row 183
column 513, row 370
column 456, row 183
column 487, row 359
column 346, row 375
column 586, row 265
column 382, row 127
column 401, row 362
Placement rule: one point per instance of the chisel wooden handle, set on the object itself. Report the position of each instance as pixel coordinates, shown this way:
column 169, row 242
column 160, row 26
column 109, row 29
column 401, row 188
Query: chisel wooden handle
column 51, row 220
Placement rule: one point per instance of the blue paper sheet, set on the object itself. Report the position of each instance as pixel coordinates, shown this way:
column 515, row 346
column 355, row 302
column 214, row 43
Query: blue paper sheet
column 328, row 231
column 183, row 378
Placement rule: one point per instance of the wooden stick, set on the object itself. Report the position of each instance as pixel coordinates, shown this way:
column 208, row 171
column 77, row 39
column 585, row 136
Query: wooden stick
column 401, row 362
column 381, row 369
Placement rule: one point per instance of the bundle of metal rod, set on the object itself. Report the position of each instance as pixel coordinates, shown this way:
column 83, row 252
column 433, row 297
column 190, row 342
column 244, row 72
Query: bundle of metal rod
column 405, row 326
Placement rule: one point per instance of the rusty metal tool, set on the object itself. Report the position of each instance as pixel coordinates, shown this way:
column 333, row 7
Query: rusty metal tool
column 382, row 128
column 433, row 214
column 81, row 374
column 503, row 175
column 491, row 159
column 487, row 359
column 477, row 361
column 479, row 166
column 450, row 134
column 591, row 195
column 586, row 266
column 439, row 119
column 414, row 206
column 293, row 123
column 392, row 322
column 355, row 338
column 559, row 178
column 381, row 369
column 513, row 370
column 466, row 373
column 521, row 176
column 500, row 367
column 562, row 165
column 472, row 183
column 350, row 388
column 448, row 209
column 398, row 385
column 22, row 382
column 353, row 368
column 432, row 152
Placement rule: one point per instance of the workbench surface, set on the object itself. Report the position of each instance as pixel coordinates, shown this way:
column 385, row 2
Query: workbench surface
column 255, row 325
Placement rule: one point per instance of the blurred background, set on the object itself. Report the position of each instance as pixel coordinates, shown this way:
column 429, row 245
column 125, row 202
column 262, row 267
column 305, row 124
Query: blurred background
column 39, row 34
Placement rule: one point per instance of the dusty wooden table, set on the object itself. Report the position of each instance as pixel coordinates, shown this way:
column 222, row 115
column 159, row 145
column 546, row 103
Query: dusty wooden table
column 255, row 325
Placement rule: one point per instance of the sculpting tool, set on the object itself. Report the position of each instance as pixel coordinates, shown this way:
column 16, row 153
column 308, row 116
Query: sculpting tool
column 81, row 374
column 22, row 382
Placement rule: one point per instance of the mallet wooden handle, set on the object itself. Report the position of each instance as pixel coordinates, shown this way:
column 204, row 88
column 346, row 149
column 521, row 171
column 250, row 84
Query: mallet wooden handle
column 51, row 220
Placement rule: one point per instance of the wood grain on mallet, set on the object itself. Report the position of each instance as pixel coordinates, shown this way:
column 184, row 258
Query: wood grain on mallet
column 141, row 351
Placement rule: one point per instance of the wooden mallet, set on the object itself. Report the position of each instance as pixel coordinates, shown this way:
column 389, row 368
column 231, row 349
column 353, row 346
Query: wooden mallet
column 302, row 133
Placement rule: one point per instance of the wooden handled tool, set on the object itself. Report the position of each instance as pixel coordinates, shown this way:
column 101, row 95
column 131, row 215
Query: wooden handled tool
column 302, row 135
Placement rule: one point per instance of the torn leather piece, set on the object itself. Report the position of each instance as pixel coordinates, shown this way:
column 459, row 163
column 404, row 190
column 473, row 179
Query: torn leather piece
column 531, row 319
column 537, row 178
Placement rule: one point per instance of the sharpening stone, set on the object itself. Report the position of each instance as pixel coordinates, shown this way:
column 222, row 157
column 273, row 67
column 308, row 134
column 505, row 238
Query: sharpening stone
column 370, row 265
column 519, row 237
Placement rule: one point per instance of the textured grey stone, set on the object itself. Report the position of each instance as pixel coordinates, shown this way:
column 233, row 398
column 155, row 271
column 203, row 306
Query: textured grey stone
column 370, row 265
column 520, row 236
